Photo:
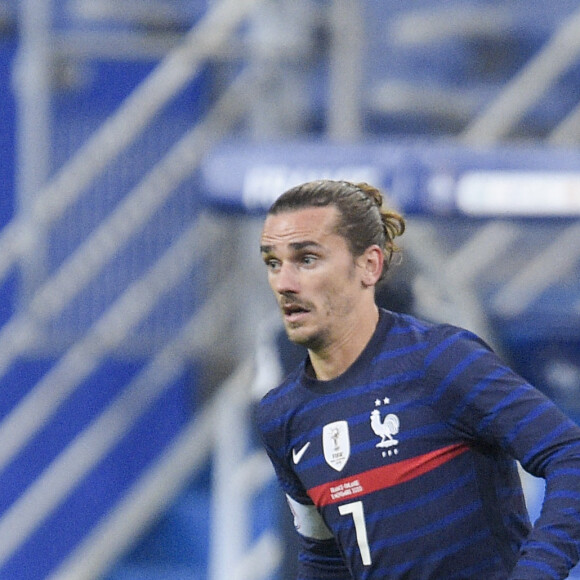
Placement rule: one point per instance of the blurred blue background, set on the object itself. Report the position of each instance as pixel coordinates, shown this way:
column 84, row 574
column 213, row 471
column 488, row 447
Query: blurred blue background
column 141, row 142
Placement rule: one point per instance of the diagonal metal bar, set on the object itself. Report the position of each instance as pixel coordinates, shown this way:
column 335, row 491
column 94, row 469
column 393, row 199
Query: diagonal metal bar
column 39, row 404
column 17, row 335
column 47, row 491
column 118, row 132
column 527, row 87
column 567, row 133
column 542, row 271
column 150, row 495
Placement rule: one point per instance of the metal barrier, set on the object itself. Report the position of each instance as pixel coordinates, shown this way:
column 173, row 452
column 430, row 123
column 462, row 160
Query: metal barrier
column 21, row 335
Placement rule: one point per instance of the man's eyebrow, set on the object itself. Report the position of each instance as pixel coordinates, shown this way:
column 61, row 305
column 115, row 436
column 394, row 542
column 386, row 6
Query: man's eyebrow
column 296, row 246
column 305, row 244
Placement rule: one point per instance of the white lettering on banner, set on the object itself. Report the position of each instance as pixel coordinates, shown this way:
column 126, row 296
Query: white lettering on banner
column 264, row 183
column 346, row 489
column 527, row 193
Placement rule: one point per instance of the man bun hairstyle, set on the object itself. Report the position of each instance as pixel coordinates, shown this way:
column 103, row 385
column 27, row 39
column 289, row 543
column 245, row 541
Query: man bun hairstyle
column 364, row 220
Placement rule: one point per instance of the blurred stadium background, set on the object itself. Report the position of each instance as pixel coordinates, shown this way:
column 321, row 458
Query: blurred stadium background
column 141, row 141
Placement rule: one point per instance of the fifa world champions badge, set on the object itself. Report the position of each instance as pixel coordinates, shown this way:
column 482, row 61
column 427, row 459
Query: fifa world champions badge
column 336, row 444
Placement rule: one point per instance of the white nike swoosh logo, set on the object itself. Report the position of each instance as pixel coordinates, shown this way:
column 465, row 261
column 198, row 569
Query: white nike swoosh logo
column 297, row 455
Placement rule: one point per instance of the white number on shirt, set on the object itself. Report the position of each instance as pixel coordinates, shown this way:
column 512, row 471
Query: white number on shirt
column 358, row 516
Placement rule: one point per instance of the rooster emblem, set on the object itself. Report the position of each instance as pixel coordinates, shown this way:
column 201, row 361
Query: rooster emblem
column 385, row 429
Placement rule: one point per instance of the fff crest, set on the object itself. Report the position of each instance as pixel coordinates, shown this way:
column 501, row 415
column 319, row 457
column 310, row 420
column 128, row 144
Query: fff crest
column 336, row 444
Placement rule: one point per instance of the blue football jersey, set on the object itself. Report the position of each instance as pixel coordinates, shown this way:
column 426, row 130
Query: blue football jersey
column 408, row 458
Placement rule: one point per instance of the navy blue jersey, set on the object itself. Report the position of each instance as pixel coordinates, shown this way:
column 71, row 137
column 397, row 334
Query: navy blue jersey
column 409, row 457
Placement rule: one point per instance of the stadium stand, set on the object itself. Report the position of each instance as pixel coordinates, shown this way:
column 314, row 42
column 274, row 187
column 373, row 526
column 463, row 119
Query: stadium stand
column 142, row 141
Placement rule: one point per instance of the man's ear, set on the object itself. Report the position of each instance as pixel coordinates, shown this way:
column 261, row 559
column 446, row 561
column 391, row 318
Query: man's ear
column 371, row 262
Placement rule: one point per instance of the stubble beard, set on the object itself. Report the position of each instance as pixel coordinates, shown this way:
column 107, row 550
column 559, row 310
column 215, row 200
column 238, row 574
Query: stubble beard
column 310, row 341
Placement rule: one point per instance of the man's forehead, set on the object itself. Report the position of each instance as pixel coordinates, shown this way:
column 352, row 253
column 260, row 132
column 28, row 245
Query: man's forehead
column 300, row 225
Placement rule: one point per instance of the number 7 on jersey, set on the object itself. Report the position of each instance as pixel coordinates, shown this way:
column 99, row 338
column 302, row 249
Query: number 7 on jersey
column 358, row 516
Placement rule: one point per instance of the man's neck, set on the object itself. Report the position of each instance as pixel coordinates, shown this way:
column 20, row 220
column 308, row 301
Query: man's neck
column 334, row 360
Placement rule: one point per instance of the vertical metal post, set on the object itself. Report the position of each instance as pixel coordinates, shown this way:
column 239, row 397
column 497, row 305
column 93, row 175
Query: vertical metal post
column 32, row 84
column 346, row 71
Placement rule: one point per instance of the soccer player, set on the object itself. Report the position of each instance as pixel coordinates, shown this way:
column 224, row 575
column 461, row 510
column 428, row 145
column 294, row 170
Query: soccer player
column 395, row 440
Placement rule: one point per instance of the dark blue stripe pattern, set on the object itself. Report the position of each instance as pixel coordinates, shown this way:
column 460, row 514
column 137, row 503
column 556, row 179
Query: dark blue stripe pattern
column 418, row 388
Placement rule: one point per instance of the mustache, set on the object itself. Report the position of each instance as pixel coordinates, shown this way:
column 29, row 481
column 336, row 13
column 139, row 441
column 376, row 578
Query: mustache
column 286, row 303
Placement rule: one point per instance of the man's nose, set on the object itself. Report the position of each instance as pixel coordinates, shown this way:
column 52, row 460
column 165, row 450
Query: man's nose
column 286, row 280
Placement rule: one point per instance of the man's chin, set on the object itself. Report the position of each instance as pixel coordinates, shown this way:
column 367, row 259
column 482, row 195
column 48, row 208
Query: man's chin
column 296, row 336
column 296, row 333
column 302, row 337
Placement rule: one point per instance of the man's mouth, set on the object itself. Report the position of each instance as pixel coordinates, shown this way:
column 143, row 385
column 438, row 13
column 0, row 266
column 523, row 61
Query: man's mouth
column 293, row 312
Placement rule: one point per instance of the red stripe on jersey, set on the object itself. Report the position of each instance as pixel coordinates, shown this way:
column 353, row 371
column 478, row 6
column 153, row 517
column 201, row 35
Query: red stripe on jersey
column 383, row 477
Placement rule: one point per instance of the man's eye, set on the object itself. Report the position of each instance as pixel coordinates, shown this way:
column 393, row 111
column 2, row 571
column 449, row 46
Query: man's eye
column 308, row 260
column 272, row 264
